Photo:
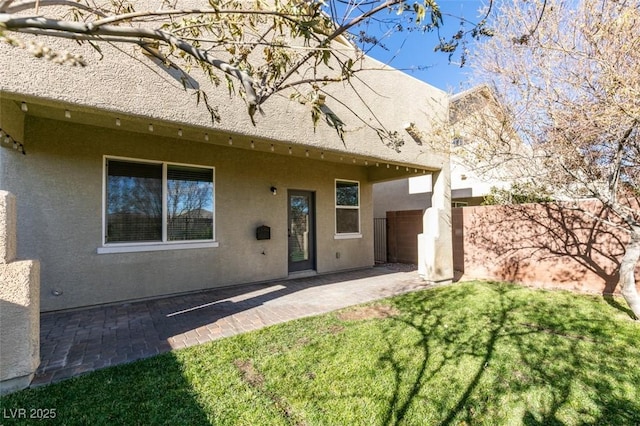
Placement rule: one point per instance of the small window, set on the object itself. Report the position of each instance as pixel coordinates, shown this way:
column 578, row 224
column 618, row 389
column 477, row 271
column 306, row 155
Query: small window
column 189, row 203
column 347, row 207
column 134, row 202
column 158, row 202
column 459, row 204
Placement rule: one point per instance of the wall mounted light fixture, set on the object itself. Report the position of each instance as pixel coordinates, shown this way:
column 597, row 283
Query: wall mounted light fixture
column 8, row 140
column 274, row 190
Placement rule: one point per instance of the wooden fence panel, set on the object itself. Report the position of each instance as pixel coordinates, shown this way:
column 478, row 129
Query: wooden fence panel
column 403, row 228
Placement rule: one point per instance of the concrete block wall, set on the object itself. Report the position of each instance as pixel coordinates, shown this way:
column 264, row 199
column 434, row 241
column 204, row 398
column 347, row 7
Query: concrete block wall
column 19, row 306
column 543, row 245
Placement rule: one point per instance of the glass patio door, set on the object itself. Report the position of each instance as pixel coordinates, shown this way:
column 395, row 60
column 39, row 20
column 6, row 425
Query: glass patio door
column 301, row 228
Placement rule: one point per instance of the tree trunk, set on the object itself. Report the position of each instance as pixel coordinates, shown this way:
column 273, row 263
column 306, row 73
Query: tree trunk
column 627, row 272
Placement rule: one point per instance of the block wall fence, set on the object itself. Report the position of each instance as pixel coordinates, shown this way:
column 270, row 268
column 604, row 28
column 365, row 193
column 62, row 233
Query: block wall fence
column 550, row 245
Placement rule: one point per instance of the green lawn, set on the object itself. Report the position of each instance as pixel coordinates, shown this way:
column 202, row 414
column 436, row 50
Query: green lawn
column 469, row 353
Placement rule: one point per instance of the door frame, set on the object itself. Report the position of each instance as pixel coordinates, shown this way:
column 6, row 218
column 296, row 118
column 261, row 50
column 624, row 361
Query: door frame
column 309, row 264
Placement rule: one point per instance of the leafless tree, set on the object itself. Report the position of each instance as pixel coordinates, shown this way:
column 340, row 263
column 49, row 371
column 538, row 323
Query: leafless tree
column 569, row 81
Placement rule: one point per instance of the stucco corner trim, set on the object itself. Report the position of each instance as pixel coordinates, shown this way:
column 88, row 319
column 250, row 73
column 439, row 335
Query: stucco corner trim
column 346, row 236
column 130, row 248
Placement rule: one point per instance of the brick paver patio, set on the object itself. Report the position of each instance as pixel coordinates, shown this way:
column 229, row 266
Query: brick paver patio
column 76, row 342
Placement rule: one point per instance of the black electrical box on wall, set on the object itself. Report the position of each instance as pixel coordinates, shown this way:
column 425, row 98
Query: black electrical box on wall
column 263, row 233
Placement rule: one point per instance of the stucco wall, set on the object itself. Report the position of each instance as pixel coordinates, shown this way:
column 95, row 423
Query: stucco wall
column 126, row 82
column 395, row 196
column 19, row 305
column 59, row 190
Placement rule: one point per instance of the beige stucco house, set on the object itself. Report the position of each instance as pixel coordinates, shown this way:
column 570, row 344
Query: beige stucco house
column 126, row 190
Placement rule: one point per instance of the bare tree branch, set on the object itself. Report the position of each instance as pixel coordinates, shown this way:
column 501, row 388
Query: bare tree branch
column 334, row 35
column 34, row 24
column 21, row 7
column 178, row 12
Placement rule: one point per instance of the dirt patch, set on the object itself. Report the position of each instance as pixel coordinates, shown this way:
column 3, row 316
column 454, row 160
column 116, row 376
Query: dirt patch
column 256, row 380
column 301, row 342
column 368, row 312
column 249, row 372
column 335, row 329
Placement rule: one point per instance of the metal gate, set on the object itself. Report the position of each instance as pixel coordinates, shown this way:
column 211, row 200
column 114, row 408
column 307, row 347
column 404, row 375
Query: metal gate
column 380, row 240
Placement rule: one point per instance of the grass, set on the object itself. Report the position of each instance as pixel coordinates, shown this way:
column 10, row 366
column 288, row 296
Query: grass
column 469, row 353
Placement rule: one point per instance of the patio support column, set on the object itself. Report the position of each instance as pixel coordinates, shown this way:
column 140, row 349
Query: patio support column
column 435, row 247
column 19, row 306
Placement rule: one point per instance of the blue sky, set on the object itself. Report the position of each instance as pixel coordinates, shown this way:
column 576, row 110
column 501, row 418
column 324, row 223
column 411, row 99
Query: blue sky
column 409, row 50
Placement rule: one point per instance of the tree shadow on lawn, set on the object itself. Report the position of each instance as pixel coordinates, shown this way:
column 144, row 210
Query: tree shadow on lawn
column 614, row 303
column 471, row 353
column 556, row 380
column 565, row 245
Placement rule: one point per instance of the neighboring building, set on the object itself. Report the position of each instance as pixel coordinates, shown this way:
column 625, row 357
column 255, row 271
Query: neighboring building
column 474, row 116
column 467, row 189
column 478, row 120
column 127, row 190
column 470, row 113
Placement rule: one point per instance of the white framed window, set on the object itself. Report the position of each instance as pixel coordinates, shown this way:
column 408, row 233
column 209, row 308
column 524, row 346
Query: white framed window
column 459, row 204
column 151, row 205
column 347, row 208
